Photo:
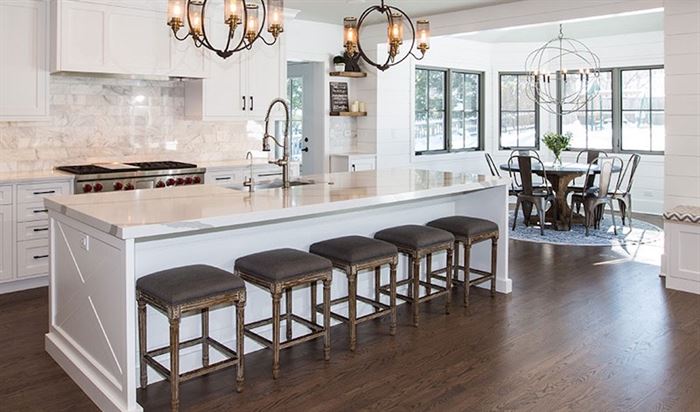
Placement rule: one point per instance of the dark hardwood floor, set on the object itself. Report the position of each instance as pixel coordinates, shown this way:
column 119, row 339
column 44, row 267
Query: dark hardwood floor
column 586, row 329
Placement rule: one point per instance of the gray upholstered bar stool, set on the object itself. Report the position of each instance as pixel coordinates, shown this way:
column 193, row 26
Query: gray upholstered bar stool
column 417, row 242
column 174, row 292
column 279, row 271
column 469, row 231
column 353, row 254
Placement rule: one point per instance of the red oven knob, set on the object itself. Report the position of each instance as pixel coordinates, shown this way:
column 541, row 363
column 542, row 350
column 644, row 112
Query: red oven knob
column 129, row 186
column 170, row 182
column 87, row 188
column 197, row 180
column 160, row 184
column 180, row 181
column 98, row 187
column 118, row 186
column 188, row 180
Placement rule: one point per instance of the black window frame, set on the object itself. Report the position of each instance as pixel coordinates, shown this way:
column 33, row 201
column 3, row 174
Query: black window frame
column 617, row 111
column 448, row 111
column 517, row 112
column 649, row 68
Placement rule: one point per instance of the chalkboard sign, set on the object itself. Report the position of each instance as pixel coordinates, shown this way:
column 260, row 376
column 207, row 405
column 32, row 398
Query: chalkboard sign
column 339, row 97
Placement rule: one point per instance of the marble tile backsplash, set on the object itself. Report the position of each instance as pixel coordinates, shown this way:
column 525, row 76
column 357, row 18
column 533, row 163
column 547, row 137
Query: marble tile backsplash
column 343, row 134
column 99, row 119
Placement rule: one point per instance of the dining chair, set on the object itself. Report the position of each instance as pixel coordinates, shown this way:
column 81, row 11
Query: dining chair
column 623, row 190
column 514, row 189
column 521, row 172
column 595, row 198
column 590, row 155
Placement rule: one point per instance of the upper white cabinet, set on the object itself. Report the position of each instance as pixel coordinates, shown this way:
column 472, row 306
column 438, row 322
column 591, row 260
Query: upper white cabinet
column 24, row 75
column 105, row 38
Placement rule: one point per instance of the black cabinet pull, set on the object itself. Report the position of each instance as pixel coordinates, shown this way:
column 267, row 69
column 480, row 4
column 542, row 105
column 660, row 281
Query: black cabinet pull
column 223, row 178
column 251, row 103
column 353, row 168
column 48, row 192
column 244, row 102
column 41, row 211
column 41, row 257
column 41, row 229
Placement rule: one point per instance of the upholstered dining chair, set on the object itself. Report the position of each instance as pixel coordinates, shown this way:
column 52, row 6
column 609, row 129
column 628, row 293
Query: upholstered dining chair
column 623, row 191
column 595, row 198
column 521, row 172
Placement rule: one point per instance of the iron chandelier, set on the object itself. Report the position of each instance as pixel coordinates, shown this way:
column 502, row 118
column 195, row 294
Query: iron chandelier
column 237, row 14
column 395, row 35
column 576, row 71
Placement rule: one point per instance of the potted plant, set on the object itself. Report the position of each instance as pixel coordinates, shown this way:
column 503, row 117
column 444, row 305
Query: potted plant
column 557, row 143
column 339, row 63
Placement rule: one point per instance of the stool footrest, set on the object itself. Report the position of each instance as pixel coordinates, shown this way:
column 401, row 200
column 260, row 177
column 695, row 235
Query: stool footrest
column 485, row 276
column 165, row 372
column 317, row 331
column 380, row 309
column 441, row 291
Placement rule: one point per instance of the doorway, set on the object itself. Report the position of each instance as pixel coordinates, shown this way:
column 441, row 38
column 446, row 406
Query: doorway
column 307, row 131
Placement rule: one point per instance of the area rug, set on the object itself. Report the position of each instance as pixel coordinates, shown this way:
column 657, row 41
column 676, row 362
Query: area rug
column 641, row 233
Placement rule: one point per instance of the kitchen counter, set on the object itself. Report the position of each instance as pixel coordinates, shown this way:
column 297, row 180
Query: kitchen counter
column 102, row 243
column 36, row 176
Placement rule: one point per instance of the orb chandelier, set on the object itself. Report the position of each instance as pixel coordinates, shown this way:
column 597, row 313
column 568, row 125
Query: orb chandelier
column 563, row 75
column 248, row 16
column 419, row 36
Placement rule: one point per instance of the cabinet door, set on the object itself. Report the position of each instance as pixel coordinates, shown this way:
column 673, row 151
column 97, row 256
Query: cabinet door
column 137, row 42
column 24, row 75
column 6, row 243
column 80, row 37
column 223, row 96
column 265, row 79
column 186, row 60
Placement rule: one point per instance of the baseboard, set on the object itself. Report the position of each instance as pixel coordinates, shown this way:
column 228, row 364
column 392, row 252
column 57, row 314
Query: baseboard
column 683, row 285
column 24, row 284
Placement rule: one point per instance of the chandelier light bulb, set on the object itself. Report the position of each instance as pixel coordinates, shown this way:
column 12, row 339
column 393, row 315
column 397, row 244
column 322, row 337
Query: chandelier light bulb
column 423, row 28
column 233, row 13
column 175, row 14
column 276, row 21
column 350, row 35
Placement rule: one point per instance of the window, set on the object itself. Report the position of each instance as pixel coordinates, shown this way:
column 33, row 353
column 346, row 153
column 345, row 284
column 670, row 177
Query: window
column 592, row 125
column 447, row 123
column 643, row 109
column 295, row 94
column 519, row 115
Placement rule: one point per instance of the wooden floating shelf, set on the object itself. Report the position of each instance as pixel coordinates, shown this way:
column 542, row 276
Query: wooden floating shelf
column 349, row 114
column 349, row 74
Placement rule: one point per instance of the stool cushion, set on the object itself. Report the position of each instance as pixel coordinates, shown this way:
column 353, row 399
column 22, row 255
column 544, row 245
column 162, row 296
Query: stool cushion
column 354, row 249
column 186, row 284
column 282, row 264
column 414, row 236
column 463, row 226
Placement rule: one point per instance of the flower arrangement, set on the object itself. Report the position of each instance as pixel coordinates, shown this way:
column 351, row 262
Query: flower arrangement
column 557, row 143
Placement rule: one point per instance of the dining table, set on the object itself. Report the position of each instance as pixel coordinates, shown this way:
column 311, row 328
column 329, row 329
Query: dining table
column 560, row 177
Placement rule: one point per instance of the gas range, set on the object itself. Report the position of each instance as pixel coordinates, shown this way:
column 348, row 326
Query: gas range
column 112, row 177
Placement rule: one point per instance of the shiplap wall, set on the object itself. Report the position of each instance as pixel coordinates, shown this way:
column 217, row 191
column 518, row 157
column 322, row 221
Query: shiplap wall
column 682, row 39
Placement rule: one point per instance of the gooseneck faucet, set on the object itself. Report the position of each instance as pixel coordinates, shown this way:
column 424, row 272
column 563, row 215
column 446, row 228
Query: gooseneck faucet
column 284, row 161
column 250, row 181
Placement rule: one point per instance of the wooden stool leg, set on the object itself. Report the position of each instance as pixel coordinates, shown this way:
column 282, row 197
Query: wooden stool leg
column 467, row 263
column 409, row 291
column 392, row 297
column 416, row 289
column 205, row 335
column 494, row 263
column 276, row 297
column 240, row 343
column 313, row 302
column 288, row 315
column 429, row 271
column 142, row 343
column 377, row 283
column 455, row 272
column 327, row 319
column 175, row 361
column 352, row 308
column 448, row 281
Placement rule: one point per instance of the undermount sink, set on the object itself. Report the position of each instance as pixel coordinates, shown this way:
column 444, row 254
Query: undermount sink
column 274, row 184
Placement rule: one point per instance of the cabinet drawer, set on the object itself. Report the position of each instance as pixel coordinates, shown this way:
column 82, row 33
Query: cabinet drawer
column 5, row 195
column 32, row 212
column 358, row 165
column 36, row 192
column 32, row 258
column 33, row 230
column 224, row 178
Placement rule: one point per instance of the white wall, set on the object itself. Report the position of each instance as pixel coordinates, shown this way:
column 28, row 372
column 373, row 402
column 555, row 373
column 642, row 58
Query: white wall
column 682, row 177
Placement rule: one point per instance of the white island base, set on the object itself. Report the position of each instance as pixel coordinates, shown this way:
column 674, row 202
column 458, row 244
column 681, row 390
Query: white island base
column 102, row 243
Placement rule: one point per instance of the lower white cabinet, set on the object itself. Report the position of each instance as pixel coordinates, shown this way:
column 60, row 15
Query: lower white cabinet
column 32, row 258
column 353, row 162
column 6, row 244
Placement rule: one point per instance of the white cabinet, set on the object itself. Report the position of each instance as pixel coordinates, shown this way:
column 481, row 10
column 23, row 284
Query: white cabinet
column 24, row 75
column 240, row 87
column 6, row 243
column 353, row 162
column 103, row 38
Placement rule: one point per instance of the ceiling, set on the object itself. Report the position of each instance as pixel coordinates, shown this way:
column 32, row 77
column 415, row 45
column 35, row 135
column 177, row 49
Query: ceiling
column 595, row 27
column 333, row 11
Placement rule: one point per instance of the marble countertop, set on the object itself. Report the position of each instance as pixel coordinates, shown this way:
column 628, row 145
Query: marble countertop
column 146, row 213
column 35, row 176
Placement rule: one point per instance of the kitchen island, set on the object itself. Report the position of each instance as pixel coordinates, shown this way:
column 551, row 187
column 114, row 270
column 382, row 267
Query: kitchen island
column 101, row 243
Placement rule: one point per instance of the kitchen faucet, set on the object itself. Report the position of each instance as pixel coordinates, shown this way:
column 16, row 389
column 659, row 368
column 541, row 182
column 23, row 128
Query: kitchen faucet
column 284, row 161
column 249, row 181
